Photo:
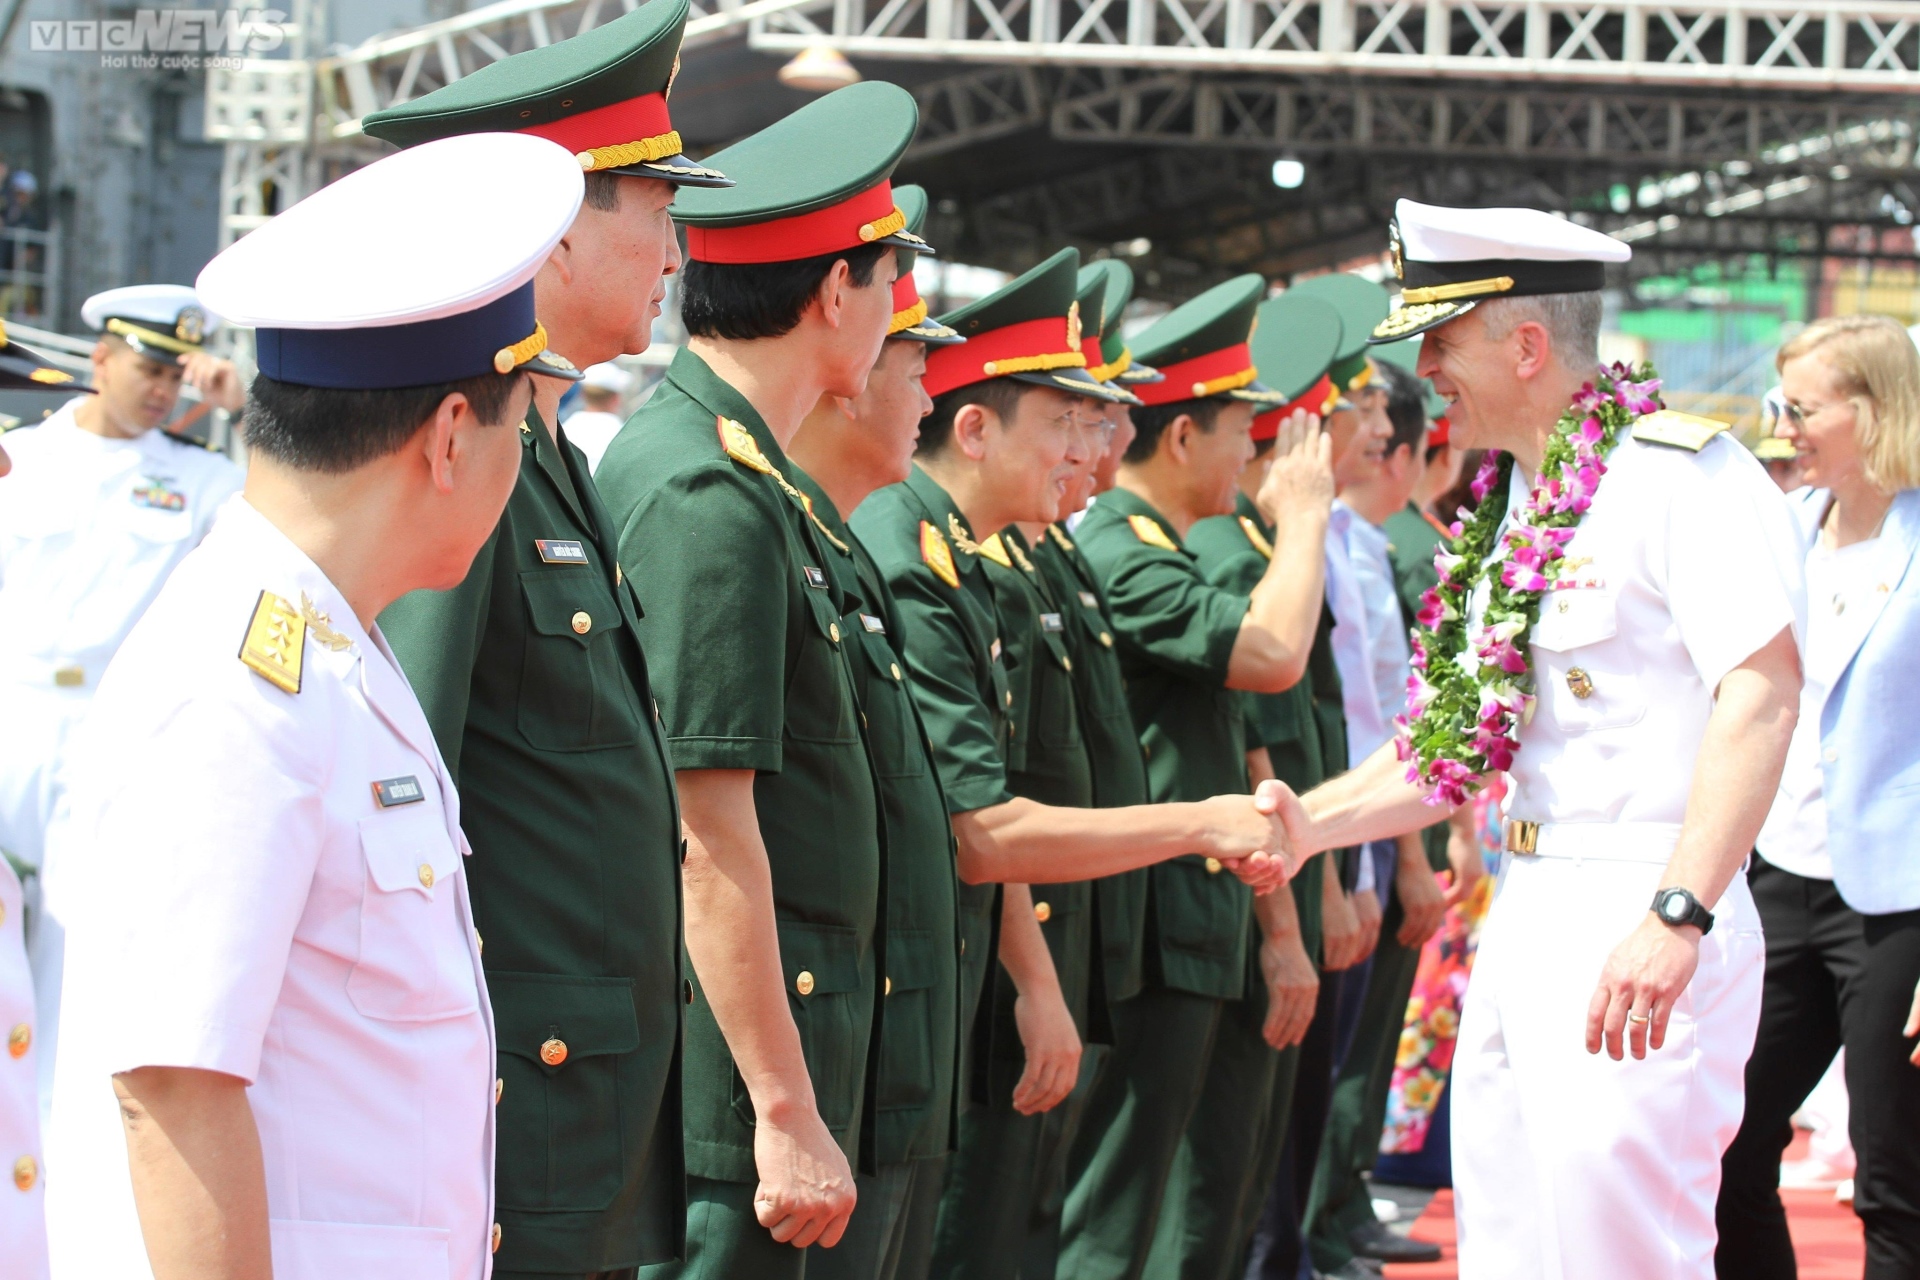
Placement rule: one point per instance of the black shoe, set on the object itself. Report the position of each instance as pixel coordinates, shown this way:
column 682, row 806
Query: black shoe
column 1352, row 1269
column 1375, row 1241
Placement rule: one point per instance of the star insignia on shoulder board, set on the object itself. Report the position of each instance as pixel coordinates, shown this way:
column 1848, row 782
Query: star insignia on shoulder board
column 276, row 642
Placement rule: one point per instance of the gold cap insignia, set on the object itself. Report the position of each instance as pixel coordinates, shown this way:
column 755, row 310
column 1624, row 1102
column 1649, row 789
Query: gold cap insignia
column 1073, row 325
column 1258, row 539
column 938, row 555
column 1148, row 530
column 276, row 642
column 191, row 325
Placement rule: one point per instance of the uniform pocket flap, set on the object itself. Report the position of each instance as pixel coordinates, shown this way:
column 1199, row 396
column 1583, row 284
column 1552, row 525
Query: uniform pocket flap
column 911, row 962
column 569, row 602
column 1570, row 619
column 588, row 1015
column 408, row 848
column 822, row 958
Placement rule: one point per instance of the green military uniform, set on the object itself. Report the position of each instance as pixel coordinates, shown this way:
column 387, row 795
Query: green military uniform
column 743, row 624
column 533, row 676
column 915, row 1089
column 1235, row 1151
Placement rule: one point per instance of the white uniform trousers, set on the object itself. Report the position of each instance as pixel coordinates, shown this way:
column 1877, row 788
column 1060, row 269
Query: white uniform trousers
column 1569, row 1165
column 23, row 1224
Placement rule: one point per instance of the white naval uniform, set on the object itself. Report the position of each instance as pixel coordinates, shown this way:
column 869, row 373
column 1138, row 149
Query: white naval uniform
column 23, row 1231
column 1569, row 1165
column 241, row 901
column 90, row 528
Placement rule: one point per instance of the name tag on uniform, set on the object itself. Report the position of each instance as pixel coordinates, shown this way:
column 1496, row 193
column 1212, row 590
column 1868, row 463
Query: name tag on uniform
column 1050, row 622
column 560, row 551
column 391, row 792
column 873, row 624
column 1089, row 599
column 816, row 578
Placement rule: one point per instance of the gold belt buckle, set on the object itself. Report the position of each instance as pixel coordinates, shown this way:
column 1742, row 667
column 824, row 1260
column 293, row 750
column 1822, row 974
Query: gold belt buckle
column 1522, row 836
column 69, row 677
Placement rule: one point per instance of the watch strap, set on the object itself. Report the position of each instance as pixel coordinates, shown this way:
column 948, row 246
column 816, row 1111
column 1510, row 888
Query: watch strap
column 1697, row 915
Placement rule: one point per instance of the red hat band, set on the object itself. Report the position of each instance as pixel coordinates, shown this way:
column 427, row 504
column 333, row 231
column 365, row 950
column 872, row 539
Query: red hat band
column 1317, row 398
column 858, row 220
column 909, row 309
column 630, row 132
column 1224, row 370
column 1031, row 345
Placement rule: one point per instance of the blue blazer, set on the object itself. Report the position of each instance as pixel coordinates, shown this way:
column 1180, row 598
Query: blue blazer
column 1870, row 728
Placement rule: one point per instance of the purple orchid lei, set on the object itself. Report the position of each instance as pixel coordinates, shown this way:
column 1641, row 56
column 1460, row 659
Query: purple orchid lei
column 1472, row 688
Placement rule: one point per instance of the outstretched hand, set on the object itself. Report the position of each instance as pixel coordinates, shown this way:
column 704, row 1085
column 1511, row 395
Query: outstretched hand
column 1275, row 861
column 1300, row 477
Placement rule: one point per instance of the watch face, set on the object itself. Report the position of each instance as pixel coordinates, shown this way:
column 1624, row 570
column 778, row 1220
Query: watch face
column 1673, row 908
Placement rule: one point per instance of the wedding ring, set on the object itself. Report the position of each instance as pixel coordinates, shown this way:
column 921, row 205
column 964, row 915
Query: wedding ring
column 1638, row 1017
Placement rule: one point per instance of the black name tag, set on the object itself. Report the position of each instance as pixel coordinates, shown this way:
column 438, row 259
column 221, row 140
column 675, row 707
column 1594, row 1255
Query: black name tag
column 1050, row 622
column 397, row 791
column 873, row 624
column 816, row 578
column 560, row 551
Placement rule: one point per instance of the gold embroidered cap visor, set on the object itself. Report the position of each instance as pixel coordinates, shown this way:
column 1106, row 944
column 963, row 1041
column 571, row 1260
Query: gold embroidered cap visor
column 24, row 370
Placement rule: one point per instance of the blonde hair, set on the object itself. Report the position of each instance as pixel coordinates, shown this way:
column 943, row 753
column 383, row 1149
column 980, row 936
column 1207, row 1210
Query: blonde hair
column 1879, row 369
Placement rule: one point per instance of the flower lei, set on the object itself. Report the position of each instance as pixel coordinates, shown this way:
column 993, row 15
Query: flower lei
column 1470, row 690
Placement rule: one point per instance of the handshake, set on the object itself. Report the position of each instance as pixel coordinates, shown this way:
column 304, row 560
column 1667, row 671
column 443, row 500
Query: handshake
column 1261, row 838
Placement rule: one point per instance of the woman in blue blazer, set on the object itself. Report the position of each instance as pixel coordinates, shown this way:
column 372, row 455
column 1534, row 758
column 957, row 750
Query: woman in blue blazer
column 1836, row 874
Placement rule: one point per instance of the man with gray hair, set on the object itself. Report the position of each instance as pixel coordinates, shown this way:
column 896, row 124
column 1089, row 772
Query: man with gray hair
column 1616, row 629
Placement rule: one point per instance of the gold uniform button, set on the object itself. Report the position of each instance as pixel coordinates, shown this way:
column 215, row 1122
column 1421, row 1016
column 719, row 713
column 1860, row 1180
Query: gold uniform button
column 686, row 990
column 833, row 631
column 19, row 1040
column 1106, row 638
column 493, row 1239
column 889, row 987
column 582, row 622
column 26, row 1172
column 1580, row 683
column 553, row 1051
column 804, row 983
column 499, row 1088
column 426, row 875
column 963, row 946
column 894, row 667
column 1042, row 912
column 1067, row 663
column 1213, row 866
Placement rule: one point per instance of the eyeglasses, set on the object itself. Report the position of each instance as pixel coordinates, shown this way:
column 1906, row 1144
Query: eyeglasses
column 1098, row 427
column 1798, row 414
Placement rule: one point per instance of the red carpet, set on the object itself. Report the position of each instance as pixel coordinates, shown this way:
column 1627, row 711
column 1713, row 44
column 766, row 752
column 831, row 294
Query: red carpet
column 1826, row 1238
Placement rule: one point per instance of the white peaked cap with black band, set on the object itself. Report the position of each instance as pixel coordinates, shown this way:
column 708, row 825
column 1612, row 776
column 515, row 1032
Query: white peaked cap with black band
column 413, row 271
column 158, row 320
column 1450, row 260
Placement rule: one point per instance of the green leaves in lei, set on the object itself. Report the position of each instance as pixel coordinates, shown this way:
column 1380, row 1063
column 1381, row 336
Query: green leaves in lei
column 1472, row 686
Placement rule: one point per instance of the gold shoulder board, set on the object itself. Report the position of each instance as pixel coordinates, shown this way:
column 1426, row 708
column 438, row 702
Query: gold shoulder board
column 1148, row 530
column 1258, row 539
column 189, row 441
column 1059, row 535
column 938, row 555
column 996, row 551
column 276, row 642
column 1680, row 430
column 740, row 446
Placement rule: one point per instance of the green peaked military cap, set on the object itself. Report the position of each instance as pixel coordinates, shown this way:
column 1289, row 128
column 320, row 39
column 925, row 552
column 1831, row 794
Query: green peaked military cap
column 910, row 319
column 602, row 95
column 1201, row 347
column 1294, row 342
column 811, row 183
column 1406, row 354
column 1362, row 304
column 1091, row 300
column 1028, row 329
column 1117, row 279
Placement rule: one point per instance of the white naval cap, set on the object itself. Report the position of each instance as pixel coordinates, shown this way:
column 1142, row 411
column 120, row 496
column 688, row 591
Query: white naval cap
column 415, row 270
column 159, row 320
column 608, row 377
column 1449, row 259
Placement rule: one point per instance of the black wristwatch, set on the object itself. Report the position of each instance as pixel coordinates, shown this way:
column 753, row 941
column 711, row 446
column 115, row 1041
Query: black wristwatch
column 1676, row 906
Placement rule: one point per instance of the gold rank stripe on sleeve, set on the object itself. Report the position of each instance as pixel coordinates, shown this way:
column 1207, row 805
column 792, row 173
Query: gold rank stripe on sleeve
column 996, row 550
column 1679, row 430
column 1148, row 530
column 276, row 642
column 1258, row 539
column 1059, row 535
column 938, row 555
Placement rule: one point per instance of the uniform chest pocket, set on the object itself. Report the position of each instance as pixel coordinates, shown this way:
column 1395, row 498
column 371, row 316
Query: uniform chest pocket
column 891, row 728
column 819, row 698
column 1583, row 682
column 155, row 509
column 414, row 962
column 575, row 693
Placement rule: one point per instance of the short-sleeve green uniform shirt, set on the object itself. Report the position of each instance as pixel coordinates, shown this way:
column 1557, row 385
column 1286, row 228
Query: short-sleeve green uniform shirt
column 1175, row 634
column 743, row 626
column 532, row 675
